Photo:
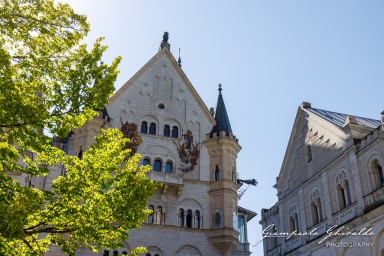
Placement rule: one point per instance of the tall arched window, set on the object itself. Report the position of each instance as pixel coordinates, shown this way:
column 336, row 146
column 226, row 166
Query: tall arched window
column 181, row 217
column 343, row 192
column 189, row 218
column 146, row 161
column 168, row 167
column 377, row 175
column 316, row 211
column 197, row 219
column 217, row 173
column 152, row 128
column 175, row 132
column 158, row 166
column 217, row 219
column 167, row 131
column 293, row 219
column 144, row 127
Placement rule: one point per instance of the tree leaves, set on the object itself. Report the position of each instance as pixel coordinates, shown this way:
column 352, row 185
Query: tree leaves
column 49, row 85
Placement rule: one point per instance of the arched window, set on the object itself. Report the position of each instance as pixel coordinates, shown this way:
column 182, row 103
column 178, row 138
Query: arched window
column 316, row 211
column 168, row 167
column 159, row 215
column 309, row 153
column 167, row 131
column 151, row 218
column 343, row 192
column 175, row 132
column 152, row 128
column 293, row 219
column 377, row 175
column 189, row 218
column 197, row 219
column 146, row 161
column 158, row 166
column 148, row 254
column 181, row 217
column 217, row 173
column 217, row 219
column 144, row 127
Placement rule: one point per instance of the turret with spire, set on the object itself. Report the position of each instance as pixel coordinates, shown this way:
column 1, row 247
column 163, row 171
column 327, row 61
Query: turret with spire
column 223, row 148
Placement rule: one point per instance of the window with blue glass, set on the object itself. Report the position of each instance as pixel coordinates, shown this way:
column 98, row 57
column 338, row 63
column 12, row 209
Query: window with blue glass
column 167, row 131
column 168, row 167
column 146, row 162
column 241, row 223
column 175, row 132
column 158, row 166
column 144, row 127
column 217, row 173
column 152, row 128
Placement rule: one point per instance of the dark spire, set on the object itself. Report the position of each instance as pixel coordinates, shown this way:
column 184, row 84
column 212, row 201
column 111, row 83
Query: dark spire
column 165, row 43
column 221, row 117
column 179, row 61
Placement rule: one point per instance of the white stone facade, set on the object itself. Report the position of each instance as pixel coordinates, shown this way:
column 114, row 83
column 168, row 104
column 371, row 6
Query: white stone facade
column 331, row 176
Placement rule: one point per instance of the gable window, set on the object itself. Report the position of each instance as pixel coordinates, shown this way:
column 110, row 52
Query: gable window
column 168, row 167
column 158, row 166
column 144, row 127
column 167, row 131
column 175, row 132
column 152, row 128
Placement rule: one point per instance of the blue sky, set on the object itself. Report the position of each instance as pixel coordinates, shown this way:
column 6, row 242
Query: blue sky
column 269, row 55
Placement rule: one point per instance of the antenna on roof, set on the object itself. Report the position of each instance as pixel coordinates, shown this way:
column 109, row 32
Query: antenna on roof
column 179, row 60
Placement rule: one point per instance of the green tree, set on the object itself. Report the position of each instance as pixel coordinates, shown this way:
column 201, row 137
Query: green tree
column 50, row 83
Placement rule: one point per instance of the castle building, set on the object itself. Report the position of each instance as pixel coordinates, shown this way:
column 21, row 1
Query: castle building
column 191, row 150
column 330, row 188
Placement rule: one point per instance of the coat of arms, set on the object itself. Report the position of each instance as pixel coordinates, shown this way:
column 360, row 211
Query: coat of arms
column 188, row 152
column 130, row 131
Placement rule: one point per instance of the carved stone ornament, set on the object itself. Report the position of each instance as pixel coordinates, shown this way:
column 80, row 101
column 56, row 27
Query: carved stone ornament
column 188, row 152
column 130, row 131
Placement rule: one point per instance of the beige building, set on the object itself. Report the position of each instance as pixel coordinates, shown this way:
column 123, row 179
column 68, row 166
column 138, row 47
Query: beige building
column 191, row 149
column 330, row 188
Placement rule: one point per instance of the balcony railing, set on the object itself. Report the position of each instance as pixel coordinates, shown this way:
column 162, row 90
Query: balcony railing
column 346, row 214
column 275, row 251
column 374, row 199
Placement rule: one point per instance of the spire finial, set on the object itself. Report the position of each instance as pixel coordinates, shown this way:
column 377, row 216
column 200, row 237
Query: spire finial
column 165, row 43
column 220, row 88
column 179, row 61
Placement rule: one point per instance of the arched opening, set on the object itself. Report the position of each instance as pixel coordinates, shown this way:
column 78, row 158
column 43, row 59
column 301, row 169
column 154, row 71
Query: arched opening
column 292, row 224
column 168, row 167
column 144, row 127
column 181, row 217
column 341, row 197
column 146, row 161
column 217, row 173
column 315, row 217
column 217, row 219
column 152, row 128
column 378, row 175
column 197, row 219
column 189, row 218
column 175, row 132
column 167, row 131
column 158, row 166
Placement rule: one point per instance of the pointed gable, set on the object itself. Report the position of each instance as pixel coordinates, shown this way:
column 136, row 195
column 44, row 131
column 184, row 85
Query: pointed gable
column 163, row 55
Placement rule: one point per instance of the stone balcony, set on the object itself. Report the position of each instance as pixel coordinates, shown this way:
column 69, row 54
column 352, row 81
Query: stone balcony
column 317, row 230
column 172, row 183
column 275, row 251
column 374, row 199
column 346, row 214
column 293, row 243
